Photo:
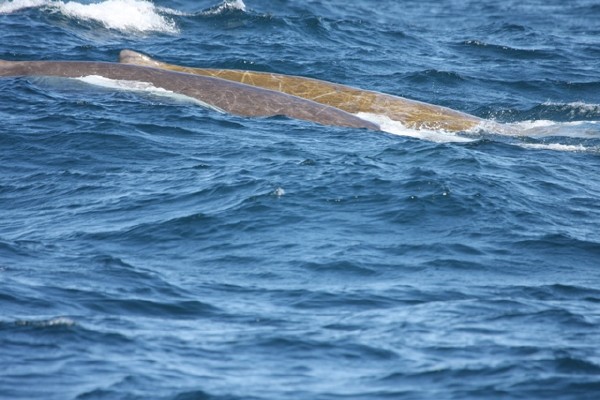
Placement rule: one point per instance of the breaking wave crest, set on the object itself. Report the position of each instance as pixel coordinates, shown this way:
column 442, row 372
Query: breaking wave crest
column 397, row 128
column 122, row 15
column 577, row 109
column 226, row 6
column 546, row 134
column 44, row 323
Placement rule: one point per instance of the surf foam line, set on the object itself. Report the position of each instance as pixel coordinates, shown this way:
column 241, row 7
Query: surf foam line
column 394, row 127
column 539, row 129
column 558, row 147
column 143, row 87
column 551, row 130
column 122, row 15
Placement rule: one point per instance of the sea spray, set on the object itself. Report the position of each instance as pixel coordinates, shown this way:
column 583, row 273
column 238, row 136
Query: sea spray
column 121, row 15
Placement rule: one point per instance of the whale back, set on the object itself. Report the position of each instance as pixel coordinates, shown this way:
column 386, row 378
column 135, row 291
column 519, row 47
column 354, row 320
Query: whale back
column 228, row 96
column 411, row 113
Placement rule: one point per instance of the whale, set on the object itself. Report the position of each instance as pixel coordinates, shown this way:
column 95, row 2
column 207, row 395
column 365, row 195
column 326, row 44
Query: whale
column 224, row 95
column 411, row 113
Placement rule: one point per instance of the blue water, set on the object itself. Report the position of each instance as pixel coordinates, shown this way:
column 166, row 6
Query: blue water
column 154, row 249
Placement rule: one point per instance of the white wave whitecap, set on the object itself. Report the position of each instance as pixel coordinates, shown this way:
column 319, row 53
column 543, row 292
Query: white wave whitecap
column 575, row 108
column 122, row 15
column 226, row 5
column 389, row 125
column 519, row 131
column 53, row 322
column 556, row 147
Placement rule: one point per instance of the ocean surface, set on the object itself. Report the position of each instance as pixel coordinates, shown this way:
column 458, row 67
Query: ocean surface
column 151, row 248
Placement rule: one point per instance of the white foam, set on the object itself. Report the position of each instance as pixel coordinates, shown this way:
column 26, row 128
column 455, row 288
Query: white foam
column 544, row 123
column 54, row 322
column 554, row 146
column 533, row 129
column 145, row 87
column 226, row 5
column 278, row 192
column 121, row 15
column 397, row 128
column 546, row 128
column 576, row 107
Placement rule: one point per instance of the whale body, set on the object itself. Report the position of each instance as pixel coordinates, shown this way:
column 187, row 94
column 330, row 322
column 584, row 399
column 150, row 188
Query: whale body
column 411, row 113
column 227, row 96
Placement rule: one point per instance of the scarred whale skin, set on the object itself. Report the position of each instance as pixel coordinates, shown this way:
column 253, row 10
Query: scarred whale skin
column 411, row 113
column 231, row 97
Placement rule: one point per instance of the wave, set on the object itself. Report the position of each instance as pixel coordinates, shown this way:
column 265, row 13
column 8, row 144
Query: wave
column 397, row 128
column 575, row 109
column 226, row 6
column 44, row 323
column 17, row 5
column 519, row 133
column 121, row 15
column 509, row 51
column 544, row 128
column 580, row 136
column 557, row 147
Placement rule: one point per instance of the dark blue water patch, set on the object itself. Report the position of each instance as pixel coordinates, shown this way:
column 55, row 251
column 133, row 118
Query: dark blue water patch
column 10, row 250
column 560, row 243
column 55, row 344
column 551, row 88
column 559, row 292
column 50, row 29
column 202, row 395
column 509, row 28
column 436, row 77
column 225, row 19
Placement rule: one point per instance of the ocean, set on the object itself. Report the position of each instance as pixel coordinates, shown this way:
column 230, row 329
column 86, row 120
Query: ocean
column 152, row 248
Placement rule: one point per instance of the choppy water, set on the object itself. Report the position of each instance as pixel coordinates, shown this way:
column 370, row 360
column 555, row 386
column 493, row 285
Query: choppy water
column 154, row 249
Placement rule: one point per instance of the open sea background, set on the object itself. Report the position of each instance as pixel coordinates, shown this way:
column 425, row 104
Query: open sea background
column 154, row 249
